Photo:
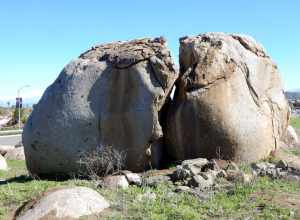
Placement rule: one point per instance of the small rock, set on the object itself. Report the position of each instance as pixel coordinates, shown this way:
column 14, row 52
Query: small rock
column 195, row 165
column 182, row 189
column 148, row 196
column 222, row 164
column 134, row 178
column 232, row 166
column 203, row 196
column 210, row 177
column 154, row 181
column 19, row 144
column 291, row 177
column 272, row 173
column 281, row 173
column 213, row 165
column 200, row 182
column 15, row 154
column 114, row 182
column 263, row 166
column 3, row 164
column 239, row 176
column 233, row 176
column 5, row 148
column 247, row 178
column 197, row 181
column 213, row 173
column 180, row 174
column 221, row 174
column 282, row 164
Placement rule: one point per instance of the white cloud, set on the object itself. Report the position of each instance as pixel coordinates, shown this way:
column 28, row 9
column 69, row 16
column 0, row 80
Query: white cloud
column 34, row 93
column 26, row 93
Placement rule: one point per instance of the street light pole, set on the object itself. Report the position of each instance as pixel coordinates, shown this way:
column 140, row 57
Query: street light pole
column 19, row 106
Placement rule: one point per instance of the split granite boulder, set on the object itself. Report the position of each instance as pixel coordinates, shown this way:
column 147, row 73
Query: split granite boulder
column 228, row 104
column 229, row 101
column 110, row 96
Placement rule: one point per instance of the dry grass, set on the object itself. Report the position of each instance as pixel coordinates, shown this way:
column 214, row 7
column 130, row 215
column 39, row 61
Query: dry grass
column 101, row 162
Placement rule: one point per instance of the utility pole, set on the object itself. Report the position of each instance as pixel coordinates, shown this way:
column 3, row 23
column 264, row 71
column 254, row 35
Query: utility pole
column 19, row 104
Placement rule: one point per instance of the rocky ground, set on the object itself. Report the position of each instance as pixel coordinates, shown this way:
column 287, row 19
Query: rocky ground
column 194, row 189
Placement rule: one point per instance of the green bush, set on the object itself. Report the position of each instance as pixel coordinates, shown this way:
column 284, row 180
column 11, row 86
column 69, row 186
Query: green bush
column 25, row 112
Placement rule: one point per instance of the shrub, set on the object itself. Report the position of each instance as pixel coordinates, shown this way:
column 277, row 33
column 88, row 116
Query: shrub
column 102, row 161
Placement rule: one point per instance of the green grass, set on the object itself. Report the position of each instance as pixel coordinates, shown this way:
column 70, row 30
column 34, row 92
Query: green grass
column 295, row 152
column 295, row 122
column 239, row 203
column 21, row 187
column 11, row 133
column 261, row 200
column 15, row 127
column 16, row 168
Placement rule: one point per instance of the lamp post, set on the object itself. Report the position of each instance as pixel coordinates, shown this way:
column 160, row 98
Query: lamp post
column 19, row 106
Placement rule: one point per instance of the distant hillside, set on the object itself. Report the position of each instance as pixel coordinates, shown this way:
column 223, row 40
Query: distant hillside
column 295, row 95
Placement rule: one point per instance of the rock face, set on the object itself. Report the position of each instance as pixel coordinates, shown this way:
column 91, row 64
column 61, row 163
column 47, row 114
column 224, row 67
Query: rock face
column 229, row 101
column 111, row 95
column 3, row 164
column 69, row 203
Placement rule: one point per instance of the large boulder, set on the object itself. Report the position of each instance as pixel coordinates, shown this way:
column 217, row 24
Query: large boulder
column 64, row 203
column 111, row 95
column 229, row 101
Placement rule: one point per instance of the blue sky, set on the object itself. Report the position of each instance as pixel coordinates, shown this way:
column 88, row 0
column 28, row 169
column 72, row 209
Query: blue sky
column 38, row 38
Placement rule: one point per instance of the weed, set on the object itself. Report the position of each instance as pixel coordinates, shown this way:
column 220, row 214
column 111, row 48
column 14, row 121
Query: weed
column 102, row 161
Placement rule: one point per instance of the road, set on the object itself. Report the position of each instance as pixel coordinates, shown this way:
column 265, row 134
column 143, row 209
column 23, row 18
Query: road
column 10, row 139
